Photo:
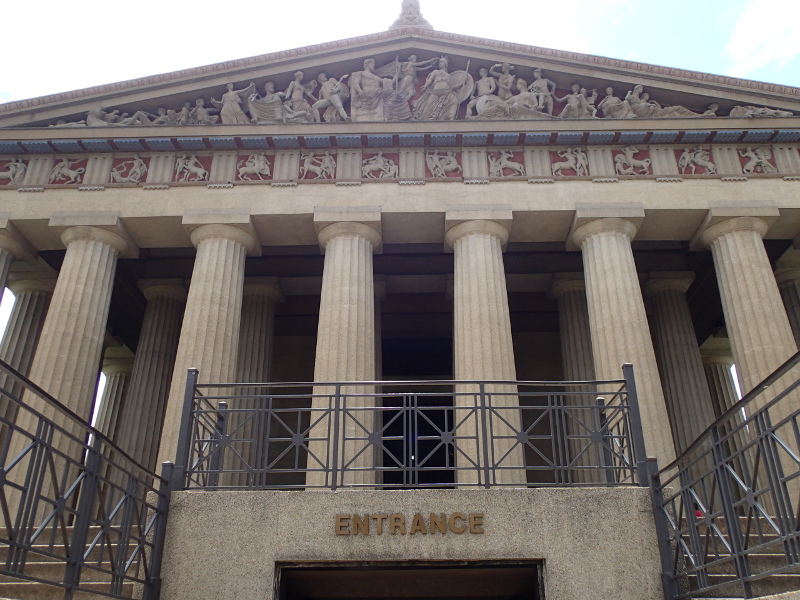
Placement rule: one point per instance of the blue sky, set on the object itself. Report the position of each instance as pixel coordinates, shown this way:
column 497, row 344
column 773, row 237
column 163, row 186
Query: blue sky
column 82, row 43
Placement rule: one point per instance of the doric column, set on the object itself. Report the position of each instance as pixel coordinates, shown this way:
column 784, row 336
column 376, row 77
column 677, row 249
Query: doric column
column 71, row 343
column 789, row 286
column 346, row 333
column 210, row 332
column 380, row 294
column 143, row 413
column 255, row 359
column 620, row 332
column 482, row 344
column 680, row 364
column 569, row 290
column 32, row 299
column 759, row 330
column 12, row 247
column 722, row 388
column 117, row 367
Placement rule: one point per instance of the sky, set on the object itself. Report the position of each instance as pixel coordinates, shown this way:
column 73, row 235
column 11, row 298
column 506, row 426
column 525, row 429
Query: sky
column 55, row 46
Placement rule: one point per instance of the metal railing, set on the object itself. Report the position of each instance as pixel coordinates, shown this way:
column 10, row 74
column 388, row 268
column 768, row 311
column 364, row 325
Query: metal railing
column 390, row 435
column 727, row 508
column 77, row 512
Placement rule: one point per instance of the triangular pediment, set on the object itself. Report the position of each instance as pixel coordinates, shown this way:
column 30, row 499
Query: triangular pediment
column 673, row 93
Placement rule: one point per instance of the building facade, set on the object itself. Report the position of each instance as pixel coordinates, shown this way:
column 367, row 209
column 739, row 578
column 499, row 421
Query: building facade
column 410, row 205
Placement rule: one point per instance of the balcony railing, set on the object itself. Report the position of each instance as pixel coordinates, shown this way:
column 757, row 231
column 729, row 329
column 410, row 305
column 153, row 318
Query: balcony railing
column 77, row 512
column 390, row 435
column 727, row 508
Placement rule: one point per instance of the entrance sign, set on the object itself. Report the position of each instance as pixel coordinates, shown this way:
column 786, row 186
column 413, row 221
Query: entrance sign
column 398, row 524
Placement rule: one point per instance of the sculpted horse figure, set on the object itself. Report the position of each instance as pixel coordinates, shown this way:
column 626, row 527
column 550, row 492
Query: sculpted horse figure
column 440, row 165
column 759, row 161
column 256, row 164
column 626, row 164
column 312, row 164
column 498, row 165
column 64, row 170
column 575, row 159
column 15, row 173
column 386, row 168
column 187, row 168
column 694, row 158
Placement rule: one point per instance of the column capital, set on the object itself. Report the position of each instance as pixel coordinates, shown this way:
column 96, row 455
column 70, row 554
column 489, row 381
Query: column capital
column 458, row 217
column 13, row 242
column 349, row 228
column 223, row 224
column 362, row 221
column 116, row 360
column 604, row 225
column 713, row 232
column 660, row 281
column 716, row 357
column 786, row 276
column 19, row 283
column 722, row 219
column 104, row 227
column 267, row 286
column 170, row 288
column 563, row 283
column 493, row 228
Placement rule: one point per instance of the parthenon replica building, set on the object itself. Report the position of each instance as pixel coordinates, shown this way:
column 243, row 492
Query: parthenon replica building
column 408, row 205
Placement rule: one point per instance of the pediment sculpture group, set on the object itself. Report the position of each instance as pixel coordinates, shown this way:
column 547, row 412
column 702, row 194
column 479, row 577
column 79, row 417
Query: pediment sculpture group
column 392, row 93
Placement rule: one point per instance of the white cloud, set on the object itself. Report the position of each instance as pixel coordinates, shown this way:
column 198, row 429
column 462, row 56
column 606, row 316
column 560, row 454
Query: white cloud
column 767, row 33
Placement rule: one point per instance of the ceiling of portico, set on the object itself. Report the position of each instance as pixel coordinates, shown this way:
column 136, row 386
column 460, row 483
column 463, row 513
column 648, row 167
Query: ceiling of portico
column 667, row 87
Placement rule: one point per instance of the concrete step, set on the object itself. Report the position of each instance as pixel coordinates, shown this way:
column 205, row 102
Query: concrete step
column 775, row 584
column 758, row 564
column 23, row 590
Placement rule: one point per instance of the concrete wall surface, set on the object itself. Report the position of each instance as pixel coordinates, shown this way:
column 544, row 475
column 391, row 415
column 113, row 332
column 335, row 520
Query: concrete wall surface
column 595, row 542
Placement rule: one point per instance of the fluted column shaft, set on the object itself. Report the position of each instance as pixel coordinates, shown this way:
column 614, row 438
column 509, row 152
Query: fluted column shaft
column 681, row 367
column 118, row 377
column 210, row 332
column 255, row 361
column 577, row 361
column 12, row 247
column 6, row 258
column 789, row 286
column 71, row 343
column 32, row 299
column 721, row 385
column 620, row 332
column 143, row 413
column 759, row 330
column 346, row 337
column 483, row 349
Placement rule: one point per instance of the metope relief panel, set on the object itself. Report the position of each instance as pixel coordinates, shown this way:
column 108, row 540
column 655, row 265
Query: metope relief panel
column 12, row 171
column 129, row 169
column 223, row 167
column 97, row 169
column 317, row 165
column 632, row 161
column 695, row 161
column 191, row 168
column 254, row 167
column 757, row 160
column 787, row 158
column 443, row 164
column 381, row 165
column 569, row 162
column 68, row 171
column 506, row 163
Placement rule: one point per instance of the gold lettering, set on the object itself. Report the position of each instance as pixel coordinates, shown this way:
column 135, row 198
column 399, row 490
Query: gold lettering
column 439, row 523
column 457, row 528
column 397, row 521
column 380, row 519
column 476, row 523
column 418, row 526
column 360, row 526
column 342, row 525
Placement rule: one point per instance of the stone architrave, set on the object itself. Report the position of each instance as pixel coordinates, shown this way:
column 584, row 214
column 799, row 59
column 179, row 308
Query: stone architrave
column 254, row 366
column 569, row 290
column 758, row 327
column 32, row 293
column 209, row 337
column 345, row 340
column 620, row 332
column 71, row 343
column 143, row 413
column 482, row 343
column 681, row 367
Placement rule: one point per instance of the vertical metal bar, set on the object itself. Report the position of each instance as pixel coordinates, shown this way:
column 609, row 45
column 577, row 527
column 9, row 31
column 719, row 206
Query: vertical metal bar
column 152, row 590
column 637, row 433
column 334, row 467
column 741, row 560
column 182, row 450
column 695, row 540
column 221, row 442
column 83, row 521
column 486, row 441
column 669, row 582
column 606, row 458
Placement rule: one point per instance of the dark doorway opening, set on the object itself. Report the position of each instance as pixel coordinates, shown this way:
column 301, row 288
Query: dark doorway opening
column 438, row 580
